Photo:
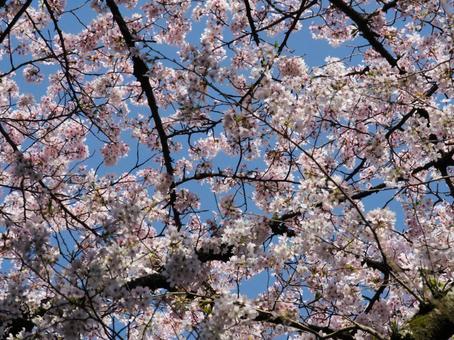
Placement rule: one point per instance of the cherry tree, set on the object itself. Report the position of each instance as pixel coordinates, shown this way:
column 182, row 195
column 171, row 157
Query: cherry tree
column 156, row 156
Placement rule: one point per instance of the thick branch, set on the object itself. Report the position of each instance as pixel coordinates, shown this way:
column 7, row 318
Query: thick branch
column 17, row 325
column 8, row 29
column 367, row 33
column 266, row 316
column 140, row 72
column 389, row 5
column 404, row 119
column 152, row 281
column 251, row 22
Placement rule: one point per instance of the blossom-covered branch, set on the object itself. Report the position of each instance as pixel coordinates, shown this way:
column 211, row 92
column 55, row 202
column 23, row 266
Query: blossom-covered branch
column 209, row 170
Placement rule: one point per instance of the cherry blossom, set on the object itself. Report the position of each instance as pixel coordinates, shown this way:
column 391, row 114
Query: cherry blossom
column 203, row 170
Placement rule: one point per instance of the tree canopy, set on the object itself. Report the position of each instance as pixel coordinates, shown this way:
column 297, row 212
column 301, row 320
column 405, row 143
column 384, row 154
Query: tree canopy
column 159, row 157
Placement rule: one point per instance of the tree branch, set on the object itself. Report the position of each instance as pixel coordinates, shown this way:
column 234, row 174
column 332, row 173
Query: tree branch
column 140, row 72
column 367, row 33
column 266, row 316
column 4, row 34
column 414, row 110
column 251, row 22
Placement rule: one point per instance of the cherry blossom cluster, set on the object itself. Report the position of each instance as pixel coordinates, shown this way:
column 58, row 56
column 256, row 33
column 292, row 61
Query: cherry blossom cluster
column 159, row 158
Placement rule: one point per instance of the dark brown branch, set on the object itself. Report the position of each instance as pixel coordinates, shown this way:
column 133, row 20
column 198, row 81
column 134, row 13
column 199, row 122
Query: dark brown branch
column 298, row 14
column 404, row 119
column 140, row 72
column 444, row 161
column 444, row 172
column 266, row 316
column 278, row 227
column 368, row 192
column 152, row 281
column 389, row 5
column 378, row 293
column 16, row 325
column 240, row 177
column 366, row 31
column 251, row 22
column 398, row 126
column 5, row 33
column 441, row 164
column 356, row 170
column 224, row 253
